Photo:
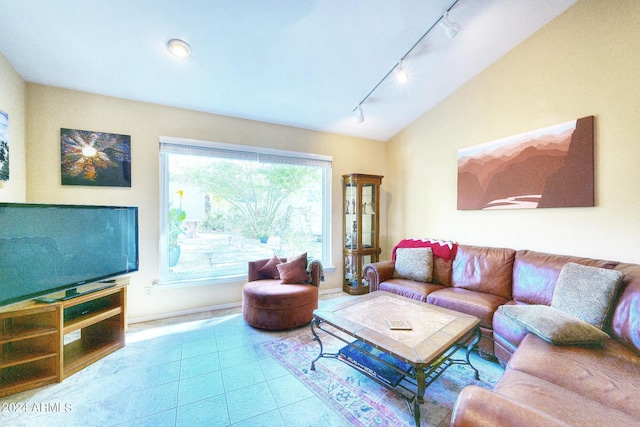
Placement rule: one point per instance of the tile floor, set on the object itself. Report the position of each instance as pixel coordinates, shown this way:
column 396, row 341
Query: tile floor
column 202, row 370
column 178, row 372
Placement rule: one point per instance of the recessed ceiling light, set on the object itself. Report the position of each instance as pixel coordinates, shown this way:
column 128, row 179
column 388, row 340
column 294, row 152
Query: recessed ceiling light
column 179, row 48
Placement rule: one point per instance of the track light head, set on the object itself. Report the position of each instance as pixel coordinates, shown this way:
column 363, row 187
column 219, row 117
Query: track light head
column 359, row 114
column 450, row 28
column 401, row 73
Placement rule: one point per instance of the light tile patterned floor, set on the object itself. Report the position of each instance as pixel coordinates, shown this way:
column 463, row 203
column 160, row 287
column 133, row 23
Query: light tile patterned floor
column 178, row 372
column 202, row 370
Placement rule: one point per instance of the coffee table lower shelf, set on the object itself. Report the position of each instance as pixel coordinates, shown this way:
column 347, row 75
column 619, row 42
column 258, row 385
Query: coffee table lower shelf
column 413, row 386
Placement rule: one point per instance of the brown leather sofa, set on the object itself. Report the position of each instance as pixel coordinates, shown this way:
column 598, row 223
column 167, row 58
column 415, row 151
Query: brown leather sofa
column 476, row 281
column 543, row 383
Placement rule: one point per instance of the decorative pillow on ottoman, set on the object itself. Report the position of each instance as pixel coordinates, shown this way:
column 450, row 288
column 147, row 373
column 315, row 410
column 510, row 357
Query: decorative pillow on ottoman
column 414, row 264
column 294, row 271
column 586, row 292
column 554, row 326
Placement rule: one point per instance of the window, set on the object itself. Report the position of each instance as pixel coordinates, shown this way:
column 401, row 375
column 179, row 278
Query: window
column 223, row 205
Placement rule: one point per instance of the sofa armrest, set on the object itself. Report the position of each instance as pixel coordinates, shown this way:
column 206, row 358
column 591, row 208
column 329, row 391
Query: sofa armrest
column 479, row 407
column 377, row 273
column 254, row 266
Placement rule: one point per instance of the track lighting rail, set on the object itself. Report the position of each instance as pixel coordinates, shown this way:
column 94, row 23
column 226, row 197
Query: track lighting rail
column 450, row 29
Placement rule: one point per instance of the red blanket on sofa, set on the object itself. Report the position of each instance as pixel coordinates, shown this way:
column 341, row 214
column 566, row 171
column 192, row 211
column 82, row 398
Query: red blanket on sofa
column 444, row 249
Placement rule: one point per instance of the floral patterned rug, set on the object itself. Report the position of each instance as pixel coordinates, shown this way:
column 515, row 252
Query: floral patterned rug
column 362, row 401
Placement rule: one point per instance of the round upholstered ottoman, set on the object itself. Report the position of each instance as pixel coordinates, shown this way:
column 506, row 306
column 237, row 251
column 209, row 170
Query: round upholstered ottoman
column 269, row 304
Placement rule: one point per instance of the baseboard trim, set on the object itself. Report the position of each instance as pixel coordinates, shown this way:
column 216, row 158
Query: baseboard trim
column 323, row 292
column 184, row 312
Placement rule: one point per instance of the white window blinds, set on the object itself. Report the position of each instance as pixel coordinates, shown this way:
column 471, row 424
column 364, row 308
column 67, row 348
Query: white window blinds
column 242, row 152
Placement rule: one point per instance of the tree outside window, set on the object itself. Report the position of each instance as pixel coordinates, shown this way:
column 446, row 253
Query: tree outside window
column 224, row 212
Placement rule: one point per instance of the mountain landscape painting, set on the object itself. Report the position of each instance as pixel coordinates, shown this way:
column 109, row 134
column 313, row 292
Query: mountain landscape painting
column 547, row 168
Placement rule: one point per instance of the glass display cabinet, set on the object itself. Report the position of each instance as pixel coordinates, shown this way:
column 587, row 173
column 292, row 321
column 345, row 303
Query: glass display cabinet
column 360, row 228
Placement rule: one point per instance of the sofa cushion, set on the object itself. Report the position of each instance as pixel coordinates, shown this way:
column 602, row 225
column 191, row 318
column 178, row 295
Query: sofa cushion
column 554, row 326
column 507, row 333
column 535, row 274
column 483, row 269
column 294, row 270
column 414, row 264
column 479, row 304
column 471, row 409
column 444, row 252
column 270, row 270
column 586, row 292
column 625, row 320
column 409, row 288
column 442, row 271
column 561, row 403
column 609, row 375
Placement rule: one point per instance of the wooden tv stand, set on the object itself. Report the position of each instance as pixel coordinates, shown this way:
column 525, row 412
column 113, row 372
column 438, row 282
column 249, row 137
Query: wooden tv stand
column 44, row 343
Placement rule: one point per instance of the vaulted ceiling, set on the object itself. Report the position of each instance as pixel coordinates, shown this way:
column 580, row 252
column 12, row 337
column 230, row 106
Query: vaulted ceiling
column 303, row 63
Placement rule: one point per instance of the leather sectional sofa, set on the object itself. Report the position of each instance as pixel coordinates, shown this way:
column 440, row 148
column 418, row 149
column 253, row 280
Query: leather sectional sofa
column 543, row 384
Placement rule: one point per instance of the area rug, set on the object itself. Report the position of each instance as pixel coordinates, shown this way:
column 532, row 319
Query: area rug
column 364, row 402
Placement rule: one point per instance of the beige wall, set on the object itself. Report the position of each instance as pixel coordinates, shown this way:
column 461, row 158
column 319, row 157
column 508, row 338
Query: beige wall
column 50, row 109
column 12, row 102
column 585, row 62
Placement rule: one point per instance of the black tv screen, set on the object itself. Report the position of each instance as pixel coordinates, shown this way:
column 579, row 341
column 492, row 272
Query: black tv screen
column 49, row 248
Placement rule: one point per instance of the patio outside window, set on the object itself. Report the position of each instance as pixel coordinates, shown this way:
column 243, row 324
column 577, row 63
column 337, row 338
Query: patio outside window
column 223, row 205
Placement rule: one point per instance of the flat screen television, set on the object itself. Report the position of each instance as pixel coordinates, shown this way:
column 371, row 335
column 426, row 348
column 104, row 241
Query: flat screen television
column 50, row 248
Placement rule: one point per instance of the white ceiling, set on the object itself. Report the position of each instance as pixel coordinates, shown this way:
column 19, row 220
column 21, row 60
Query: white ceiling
column 303, row 63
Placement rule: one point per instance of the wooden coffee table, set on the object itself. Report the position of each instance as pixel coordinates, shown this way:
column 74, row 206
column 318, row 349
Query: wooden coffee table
column 436, row 334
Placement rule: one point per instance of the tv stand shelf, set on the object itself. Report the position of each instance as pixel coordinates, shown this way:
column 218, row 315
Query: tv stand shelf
column 15, row 358
column 44, row 343
column 25, row 332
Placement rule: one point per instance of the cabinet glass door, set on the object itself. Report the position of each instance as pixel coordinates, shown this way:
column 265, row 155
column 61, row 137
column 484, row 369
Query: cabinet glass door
column 353, row 269
column 350, row 216
column 368, row 216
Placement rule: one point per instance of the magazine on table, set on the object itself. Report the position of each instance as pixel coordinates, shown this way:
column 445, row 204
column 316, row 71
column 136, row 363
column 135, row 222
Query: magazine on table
column 358, row 354
column 396, row 324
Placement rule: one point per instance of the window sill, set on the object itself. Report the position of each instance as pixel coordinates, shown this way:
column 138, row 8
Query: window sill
column 186, row 283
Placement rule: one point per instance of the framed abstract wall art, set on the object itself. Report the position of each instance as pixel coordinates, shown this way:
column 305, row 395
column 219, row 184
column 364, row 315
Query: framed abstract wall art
column 4, row 146
column 95, row 158
column 547, row 168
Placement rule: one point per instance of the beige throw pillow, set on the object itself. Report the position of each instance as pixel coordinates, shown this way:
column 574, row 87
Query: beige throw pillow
column 586, row 292
column 554, row 326
column 414, row 264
